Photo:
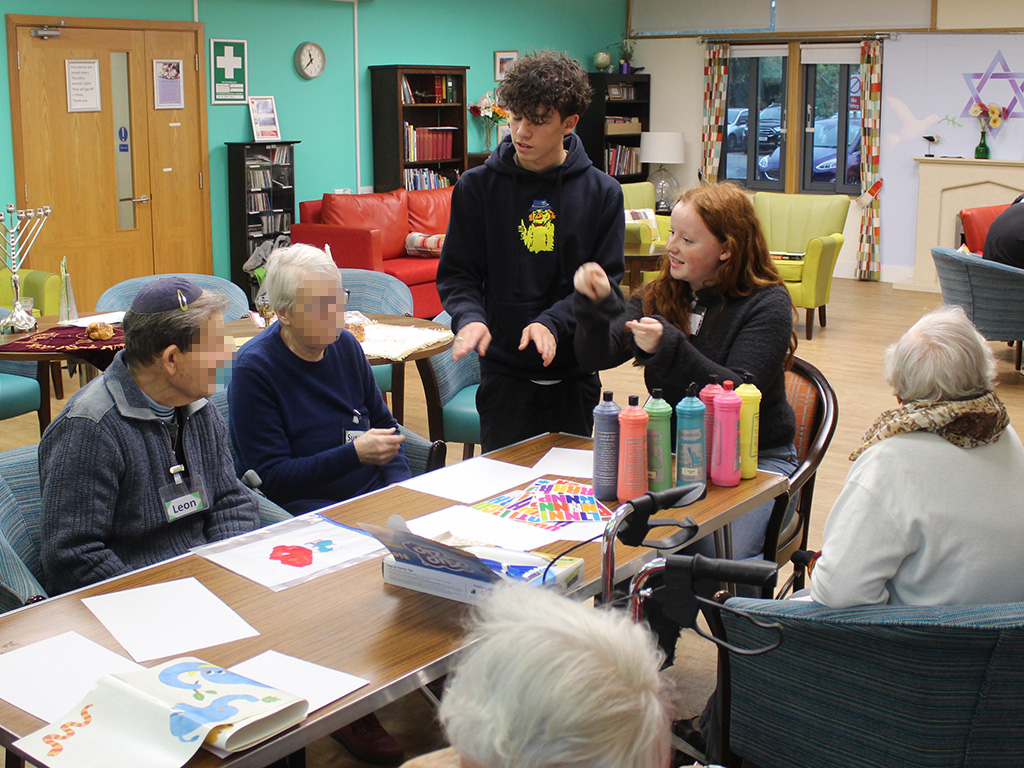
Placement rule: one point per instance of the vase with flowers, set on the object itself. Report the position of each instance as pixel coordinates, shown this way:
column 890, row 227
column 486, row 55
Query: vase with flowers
column 491, row 114
column 989, row 116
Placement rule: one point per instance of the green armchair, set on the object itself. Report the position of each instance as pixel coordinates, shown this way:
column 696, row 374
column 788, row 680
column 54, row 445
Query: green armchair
column 807, row 229
column 641, row 196
column 42, row 287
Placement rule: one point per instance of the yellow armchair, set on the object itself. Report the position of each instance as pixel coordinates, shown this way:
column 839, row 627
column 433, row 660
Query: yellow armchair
column 807, row 230
column 640, row 195
column 43, row 287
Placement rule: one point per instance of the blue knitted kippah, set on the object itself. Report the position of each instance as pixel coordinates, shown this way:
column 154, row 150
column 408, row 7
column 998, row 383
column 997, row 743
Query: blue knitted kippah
column 164, row 295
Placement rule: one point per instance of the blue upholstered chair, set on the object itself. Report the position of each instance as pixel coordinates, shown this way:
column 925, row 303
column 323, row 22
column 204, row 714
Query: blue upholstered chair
column 876, row 686
column 19, row 389
column 20, row 536
column 450, row 388
column 990, row 294
column 120, row 296
column 21, row 573
column 381, row 293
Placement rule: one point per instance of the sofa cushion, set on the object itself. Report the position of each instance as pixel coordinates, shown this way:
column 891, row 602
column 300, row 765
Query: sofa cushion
column 386, row 211
column 429, row 210
column 411, row 270
column 422, row 244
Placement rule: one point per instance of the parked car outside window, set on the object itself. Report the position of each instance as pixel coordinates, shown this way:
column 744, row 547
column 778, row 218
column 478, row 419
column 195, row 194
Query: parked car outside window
column 736, row 129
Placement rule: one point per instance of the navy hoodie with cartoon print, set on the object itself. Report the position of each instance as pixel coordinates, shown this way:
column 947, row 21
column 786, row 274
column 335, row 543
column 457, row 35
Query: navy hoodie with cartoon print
column 515, row 240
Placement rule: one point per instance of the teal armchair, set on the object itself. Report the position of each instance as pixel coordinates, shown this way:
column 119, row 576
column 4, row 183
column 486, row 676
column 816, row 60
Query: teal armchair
column 874, row 686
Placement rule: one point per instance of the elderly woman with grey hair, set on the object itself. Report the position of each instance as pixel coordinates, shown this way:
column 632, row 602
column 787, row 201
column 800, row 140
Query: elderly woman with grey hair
column 552, row 682
column 930, row 513
column 318, row 431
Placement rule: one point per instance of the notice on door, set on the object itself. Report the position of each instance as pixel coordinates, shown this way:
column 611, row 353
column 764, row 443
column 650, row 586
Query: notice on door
column 83, row 85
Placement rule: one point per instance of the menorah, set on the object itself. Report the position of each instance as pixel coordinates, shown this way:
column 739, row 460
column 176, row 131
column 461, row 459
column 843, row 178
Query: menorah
column 21, row 228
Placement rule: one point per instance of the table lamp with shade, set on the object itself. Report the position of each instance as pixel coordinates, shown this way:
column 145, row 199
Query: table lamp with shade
column 663, row 148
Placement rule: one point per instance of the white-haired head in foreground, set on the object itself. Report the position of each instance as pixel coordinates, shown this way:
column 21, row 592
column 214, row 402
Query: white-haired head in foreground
column 288, row 268
column 941, row 357
column 553, row 682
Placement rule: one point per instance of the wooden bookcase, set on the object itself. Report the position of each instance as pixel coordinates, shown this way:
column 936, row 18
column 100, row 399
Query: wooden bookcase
column 261, row 199
column 435, row 97
column 601, row 137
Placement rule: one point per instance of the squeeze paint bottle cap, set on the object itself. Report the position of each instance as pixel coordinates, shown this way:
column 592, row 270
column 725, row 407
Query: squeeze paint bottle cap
column 690, row 466
column 750, row 422
column 632, row 481
column 606, row 448
column 725, row 460
column 707, row 396
column 659, row 442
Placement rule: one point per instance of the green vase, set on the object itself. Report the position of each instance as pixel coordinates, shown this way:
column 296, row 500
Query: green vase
column 981, row 151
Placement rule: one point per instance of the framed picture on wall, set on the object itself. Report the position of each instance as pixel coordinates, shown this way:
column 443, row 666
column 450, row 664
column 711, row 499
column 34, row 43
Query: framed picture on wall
column 263, row 113
column 502, row 61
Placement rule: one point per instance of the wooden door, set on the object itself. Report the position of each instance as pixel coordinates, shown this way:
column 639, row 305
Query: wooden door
column 125, row 182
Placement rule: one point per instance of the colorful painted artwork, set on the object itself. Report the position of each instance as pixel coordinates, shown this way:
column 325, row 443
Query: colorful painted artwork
column 159, row 717
column 294, row 551
column 549, row 503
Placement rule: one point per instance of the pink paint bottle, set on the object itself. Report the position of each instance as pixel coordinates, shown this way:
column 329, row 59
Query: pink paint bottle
column 725, row 458
column 707, row 396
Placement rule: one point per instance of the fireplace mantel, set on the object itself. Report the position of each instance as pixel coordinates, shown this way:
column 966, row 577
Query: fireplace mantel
column 945, row 186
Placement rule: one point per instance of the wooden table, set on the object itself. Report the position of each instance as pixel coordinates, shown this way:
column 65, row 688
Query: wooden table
column 348, row 620
column 641, row 257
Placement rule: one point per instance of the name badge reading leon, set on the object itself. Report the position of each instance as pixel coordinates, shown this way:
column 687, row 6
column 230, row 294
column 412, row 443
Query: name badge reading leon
column 184, row 498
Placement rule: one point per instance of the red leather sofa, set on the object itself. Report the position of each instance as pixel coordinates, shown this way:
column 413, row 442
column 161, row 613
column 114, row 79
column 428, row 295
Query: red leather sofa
column 369, row 231
column 976, row 222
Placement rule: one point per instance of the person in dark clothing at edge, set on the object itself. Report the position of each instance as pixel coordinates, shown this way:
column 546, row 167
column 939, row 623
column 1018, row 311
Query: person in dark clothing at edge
column 520, row 226
column 1004, row 242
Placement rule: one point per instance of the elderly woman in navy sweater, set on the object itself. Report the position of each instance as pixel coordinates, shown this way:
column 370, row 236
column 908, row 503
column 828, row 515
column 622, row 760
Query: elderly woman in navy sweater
column 318, row 430
column 718, row 307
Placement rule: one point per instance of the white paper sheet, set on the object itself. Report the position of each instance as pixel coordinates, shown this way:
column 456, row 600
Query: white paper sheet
column 568, row 462
column 581, row 531
column 317, row 684
column 470, row 481
column 167, row 619
column 104, row 317
column 72, row 663
column 293, row 552
column 472, row 524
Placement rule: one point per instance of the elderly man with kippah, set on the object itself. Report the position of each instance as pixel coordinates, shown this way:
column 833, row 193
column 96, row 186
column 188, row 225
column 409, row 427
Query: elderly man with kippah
column 136, row 469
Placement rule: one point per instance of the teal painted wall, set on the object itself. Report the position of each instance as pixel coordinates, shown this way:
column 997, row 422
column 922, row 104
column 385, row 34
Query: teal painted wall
column 321, row 113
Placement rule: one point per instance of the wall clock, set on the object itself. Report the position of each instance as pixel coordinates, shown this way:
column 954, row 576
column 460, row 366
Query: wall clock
column 310, row 60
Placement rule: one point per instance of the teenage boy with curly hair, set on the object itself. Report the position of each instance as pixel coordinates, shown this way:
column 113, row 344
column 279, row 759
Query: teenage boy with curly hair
column 520, row 226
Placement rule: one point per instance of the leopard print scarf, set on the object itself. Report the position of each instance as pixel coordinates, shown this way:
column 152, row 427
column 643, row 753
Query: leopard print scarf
column 966, row 423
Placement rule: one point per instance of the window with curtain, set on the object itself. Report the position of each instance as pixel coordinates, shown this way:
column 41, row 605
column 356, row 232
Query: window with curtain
column 755, row 115
column 825, row 132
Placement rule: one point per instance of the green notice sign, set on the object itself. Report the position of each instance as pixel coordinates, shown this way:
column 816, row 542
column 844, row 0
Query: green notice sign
column 229, row 66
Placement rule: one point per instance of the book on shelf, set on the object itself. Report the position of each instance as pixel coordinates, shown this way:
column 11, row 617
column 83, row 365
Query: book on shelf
column 406, row 91
column 787, row 255
column 620, row 160
column 424, row 178
column 163, row 715
column 283, row 155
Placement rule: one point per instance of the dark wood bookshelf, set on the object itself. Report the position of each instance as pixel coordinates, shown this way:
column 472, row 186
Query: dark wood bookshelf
column 261, row 200
column 592, row 128
column 391, row 111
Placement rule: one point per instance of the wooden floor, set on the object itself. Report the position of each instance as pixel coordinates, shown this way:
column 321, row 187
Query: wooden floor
column 863, row 319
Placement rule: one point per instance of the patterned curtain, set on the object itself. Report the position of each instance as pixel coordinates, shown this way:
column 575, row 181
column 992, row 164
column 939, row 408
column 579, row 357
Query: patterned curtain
column 869, row 263
column 716, row 79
